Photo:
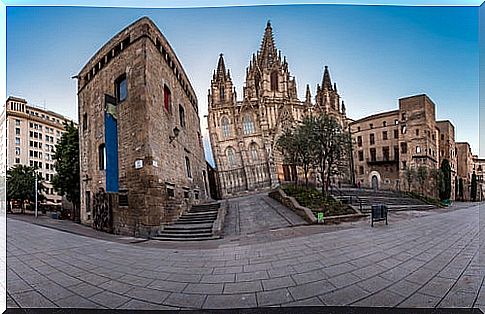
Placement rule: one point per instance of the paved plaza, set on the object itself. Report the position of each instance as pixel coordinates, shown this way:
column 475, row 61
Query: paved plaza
column 424, row 261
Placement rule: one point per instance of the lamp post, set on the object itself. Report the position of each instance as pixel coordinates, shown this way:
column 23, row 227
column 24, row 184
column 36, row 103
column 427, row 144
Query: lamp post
column 35, row 174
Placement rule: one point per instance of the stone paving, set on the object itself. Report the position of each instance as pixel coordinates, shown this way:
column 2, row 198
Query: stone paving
column 428, row 261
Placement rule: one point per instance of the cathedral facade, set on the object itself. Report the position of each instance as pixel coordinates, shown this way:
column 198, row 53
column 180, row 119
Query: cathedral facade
column 243, row 132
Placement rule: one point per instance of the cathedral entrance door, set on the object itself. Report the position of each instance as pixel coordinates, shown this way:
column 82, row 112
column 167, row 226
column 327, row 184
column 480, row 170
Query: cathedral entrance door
column 375, row 183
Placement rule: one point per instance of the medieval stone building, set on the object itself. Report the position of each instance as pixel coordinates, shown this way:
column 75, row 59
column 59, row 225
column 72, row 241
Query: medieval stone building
column 140, row 137
column 243, row 132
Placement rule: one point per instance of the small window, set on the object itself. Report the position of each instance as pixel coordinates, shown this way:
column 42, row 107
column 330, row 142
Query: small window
column 396, row 122
column 417, row 132
column 17, row 131
column 17, row 151
column 361, row 170
column 418, row 150
column 274, row 81
column 102, row 157
column 196, row 195
column 17, row 140
column 372, row 139
column 230, row 156
column 17, row 160
column 248, row 125
column 123, row 199
column 85, row 121
column 384, row 135
column 361, row 156
column 254, row 152
column 384, row 123
column 88, row 201
column 170, row 191
column 187, row 167
column 358, row 129
column 442, row 137
column 371, row 126
column 182, row 116
column 17, row 122
column 396, row 133
column 186, row 194
column 403, row 116
column 121, row 88
column 226, row 128
column 167, row 98
column 359, row 141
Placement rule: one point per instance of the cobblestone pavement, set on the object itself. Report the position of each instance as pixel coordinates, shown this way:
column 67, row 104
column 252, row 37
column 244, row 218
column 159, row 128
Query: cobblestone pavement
column 427, row 261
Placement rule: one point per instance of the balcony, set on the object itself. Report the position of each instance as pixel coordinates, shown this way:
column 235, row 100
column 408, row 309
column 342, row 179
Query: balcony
column 382, row 161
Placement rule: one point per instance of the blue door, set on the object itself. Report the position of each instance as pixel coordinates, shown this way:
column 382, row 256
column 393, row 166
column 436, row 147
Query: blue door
column 111, row 144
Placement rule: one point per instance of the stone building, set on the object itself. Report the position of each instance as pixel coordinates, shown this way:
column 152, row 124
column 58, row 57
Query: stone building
column 448, row 149
column 140, row 138
column 243, row 132
column 388, row 143
column 479, row 170
column 465, row 167
column 31, row 135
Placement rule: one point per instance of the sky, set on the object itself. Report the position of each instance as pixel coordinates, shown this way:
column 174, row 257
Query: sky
column 376, row 54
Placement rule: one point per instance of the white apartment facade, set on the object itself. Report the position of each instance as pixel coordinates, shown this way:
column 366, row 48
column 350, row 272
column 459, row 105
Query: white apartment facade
column 31, row 136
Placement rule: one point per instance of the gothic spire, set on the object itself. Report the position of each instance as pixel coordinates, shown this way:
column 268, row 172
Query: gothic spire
column 326, row 82
column 268, row 52
column 221, row 69
column 343, row 108
column 308, row 98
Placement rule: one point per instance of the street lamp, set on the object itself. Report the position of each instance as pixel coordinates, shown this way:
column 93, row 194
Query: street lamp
column 35, row 189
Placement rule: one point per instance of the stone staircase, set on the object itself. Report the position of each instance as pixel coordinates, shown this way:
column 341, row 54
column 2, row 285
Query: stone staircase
column 363, row 199
column 194, row 225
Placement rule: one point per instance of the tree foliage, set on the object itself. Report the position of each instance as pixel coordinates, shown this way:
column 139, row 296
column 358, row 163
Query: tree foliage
column 67, row 180
column 422, row 176
column 445, row 186
column 21, row 185
column 410, row 174
column 473, row 188
column 318, row 142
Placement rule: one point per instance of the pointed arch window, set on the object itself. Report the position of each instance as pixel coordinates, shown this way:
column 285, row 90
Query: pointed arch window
column 223, row 96
column 231, row 159
column 226, row 128
column 253, row 148
column 248, row 125
column 274, row 81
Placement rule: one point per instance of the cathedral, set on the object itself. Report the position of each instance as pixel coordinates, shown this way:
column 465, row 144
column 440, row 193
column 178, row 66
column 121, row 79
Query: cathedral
column 243, row 132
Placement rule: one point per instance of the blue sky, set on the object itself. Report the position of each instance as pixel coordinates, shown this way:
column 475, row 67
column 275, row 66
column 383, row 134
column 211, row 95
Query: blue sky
column 376, row 54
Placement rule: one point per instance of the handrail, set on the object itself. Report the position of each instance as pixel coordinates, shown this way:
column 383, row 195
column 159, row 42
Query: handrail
column 351, row 197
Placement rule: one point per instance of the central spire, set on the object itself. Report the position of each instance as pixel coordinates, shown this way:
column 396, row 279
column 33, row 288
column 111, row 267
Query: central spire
column 221, row 68
column 326, row 82
column 267, row 53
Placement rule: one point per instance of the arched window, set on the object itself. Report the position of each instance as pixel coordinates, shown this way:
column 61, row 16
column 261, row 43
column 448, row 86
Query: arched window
column 167, row 98
column 231, row 159
column 253, row 148
column 248, row 125
column 226, row 128
column 102, row 156
column 187, row 167
column 222, row 93
column 274, row 81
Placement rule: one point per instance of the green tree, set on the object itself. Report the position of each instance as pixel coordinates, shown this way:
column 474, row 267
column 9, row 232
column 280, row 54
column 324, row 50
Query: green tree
column 473, row 188
column 410, row 174
column 287, row 144
column 445, row 186
column 21, row 185
column 67, row 180
column 422, row 176
column 305, row 146
column 331, row 146
column 460, row 189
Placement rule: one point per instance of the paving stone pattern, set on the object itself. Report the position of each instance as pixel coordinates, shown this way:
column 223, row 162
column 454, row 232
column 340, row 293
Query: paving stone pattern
column 429, row 261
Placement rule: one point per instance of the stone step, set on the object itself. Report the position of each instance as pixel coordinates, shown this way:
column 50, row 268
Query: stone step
column 191, row 226
column 211, row 212
column 185, row 235
column 187, row 231
column 164, row 238
column 183, row 222
column 197, row 218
